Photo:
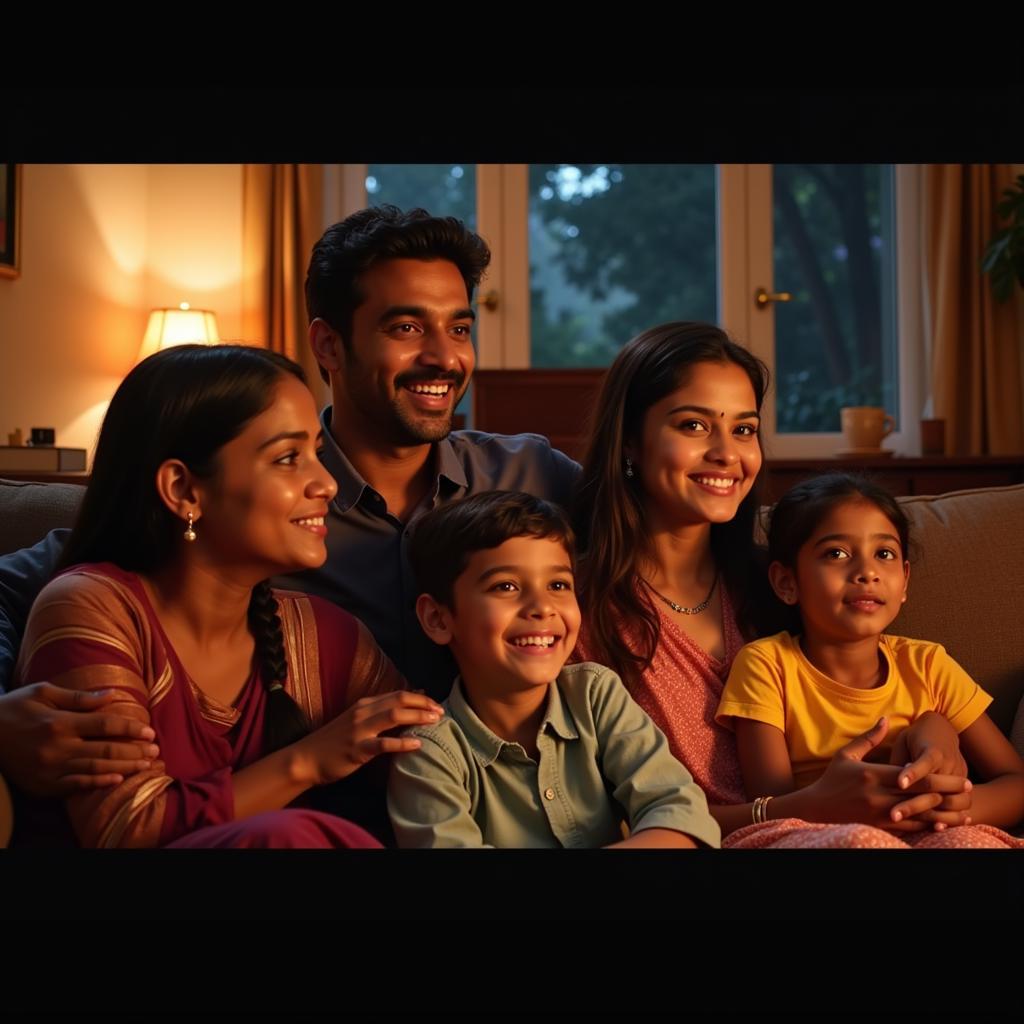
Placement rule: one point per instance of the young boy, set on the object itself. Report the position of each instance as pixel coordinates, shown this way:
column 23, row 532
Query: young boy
column 529, row 753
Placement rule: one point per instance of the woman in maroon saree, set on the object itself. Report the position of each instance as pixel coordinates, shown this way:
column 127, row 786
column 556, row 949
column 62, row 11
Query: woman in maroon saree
column 206, row 482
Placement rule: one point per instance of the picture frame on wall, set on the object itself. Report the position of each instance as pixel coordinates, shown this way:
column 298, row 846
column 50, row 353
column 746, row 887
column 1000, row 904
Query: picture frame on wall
column 10, row 219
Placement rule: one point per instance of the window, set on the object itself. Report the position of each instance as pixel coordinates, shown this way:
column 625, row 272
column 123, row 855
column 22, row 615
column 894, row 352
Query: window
column 587, row 255
column 443, row 189
column 614, row 249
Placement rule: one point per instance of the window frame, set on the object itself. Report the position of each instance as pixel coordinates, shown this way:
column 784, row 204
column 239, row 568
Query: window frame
column 744, row 219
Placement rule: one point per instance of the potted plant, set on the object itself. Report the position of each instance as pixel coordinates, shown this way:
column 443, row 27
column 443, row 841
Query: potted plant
column 1004, row 257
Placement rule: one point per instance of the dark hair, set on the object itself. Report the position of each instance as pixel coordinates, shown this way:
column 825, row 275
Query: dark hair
column 799, row 511
column 608, row 510
column 182, row 403
column 349, row 248
column 446, row 538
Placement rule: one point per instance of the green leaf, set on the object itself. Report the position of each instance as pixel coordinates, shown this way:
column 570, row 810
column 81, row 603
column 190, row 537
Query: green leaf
column 1003, row 258
column 995, row 252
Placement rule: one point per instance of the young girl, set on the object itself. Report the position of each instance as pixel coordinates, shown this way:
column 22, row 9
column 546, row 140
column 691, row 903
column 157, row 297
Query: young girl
column 837, row 547
column 206, row 482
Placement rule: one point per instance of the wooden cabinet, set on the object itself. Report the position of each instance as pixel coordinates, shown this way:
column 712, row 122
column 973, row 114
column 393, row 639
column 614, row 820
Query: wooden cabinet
column 560, row 404
column 555, row 403
column 931, row 474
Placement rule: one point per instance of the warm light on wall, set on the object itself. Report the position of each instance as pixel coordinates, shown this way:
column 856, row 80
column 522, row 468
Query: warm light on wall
column 180, row 326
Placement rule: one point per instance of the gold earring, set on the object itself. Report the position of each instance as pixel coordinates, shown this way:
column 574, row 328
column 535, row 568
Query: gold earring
column 190, row 534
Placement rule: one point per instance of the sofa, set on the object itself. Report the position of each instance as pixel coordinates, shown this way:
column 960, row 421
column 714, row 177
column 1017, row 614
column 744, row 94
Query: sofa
column 966, row 577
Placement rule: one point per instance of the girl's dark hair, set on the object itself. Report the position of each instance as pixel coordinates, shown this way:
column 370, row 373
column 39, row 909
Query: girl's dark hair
column 608, row 511
column 794, row 519
column 183, row 403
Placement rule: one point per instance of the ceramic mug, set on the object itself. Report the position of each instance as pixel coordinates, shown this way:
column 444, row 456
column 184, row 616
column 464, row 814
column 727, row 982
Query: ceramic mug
column 864, row 426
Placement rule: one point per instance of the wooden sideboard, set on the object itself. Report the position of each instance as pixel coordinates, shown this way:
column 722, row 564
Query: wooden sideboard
column 930, row 474
column 559, row 404
column 900, row 476
column 555, row 403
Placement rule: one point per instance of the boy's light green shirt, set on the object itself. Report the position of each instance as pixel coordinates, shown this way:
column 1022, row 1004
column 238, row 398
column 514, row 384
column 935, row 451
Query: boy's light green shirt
column 600, row 760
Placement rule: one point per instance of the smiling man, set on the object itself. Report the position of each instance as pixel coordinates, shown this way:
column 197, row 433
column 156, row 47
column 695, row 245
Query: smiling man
column 389, row 296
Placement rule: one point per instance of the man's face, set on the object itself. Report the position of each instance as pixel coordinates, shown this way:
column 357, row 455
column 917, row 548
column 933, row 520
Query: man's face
column 410, row 355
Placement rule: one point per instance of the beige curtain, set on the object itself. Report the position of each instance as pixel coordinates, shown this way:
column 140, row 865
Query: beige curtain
column 282, row 218
column 977, row 342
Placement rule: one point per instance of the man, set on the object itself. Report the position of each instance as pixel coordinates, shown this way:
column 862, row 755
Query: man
column 388, row 296
column 389, row 300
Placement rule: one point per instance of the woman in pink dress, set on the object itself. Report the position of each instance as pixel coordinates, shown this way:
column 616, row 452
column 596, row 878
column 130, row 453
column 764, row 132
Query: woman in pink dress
column 206, row 482
column 672, row 584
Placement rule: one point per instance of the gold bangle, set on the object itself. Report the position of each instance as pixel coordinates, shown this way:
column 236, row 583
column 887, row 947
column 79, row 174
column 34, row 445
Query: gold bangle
column 759, row 812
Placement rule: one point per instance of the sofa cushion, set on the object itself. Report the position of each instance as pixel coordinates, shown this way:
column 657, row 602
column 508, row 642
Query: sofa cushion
column 967, row 586
column 28, row 511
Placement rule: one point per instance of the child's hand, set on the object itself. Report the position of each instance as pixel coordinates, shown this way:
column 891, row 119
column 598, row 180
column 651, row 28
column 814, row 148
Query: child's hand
column 855, row 790
column 941, row 801
column 930, row 746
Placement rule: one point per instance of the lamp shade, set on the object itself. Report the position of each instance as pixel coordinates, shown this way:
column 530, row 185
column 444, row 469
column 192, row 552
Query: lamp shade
column 180, row 326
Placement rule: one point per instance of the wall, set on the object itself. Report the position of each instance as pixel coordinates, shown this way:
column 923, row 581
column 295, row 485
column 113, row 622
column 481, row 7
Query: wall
column 100, row 246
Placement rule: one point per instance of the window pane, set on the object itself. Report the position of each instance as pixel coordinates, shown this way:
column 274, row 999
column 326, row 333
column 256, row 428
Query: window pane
column 835, row 342
column 444, row 190
column 615, row 249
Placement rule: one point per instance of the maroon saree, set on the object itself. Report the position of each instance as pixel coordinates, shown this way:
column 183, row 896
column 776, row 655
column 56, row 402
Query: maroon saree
column 93, row 627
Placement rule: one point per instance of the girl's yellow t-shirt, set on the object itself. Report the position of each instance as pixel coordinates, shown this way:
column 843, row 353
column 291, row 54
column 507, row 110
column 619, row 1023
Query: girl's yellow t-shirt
column 772, row 681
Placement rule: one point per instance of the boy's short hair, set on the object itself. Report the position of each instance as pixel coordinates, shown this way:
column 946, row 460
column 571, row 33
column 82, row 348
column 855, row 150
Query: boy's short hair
column 445, row 539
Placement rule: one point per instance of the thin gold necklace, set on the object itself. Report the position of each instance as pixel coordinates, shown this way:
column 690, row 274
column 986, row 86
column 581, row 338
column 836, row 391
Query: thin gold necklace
column 682, row 609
